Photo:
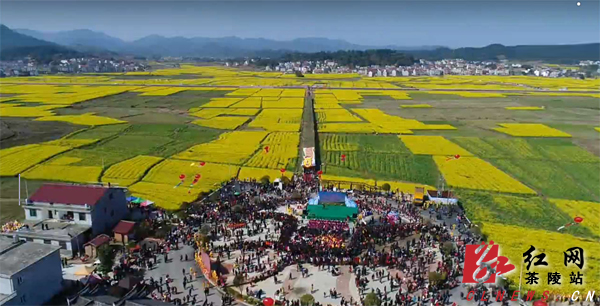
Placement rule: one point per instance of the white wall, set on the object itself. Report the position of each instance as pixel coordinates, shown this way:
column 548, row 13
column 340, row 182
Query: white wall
column 5, row 286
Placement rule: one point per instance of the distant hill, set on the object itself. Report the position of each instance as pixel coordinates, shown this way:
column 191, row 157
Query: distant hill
column 201, row 46
column 15, row 45
column 87, row 41
column 12, row 39
column 551, row 53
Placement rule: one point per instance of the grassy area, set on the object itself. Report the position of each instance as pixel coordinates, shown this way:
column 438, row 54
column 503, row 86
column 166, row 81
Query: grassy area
column 9, row 194
column 121, row 143
column 375, row 156
column 533, row 212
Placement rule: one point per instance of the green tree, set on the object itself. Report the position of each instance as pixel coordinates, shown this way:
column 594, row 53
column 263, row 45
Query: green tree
column 386, row 187
column 265, row 180
column 106, row 255
column 307, row 300
column 372, row 299
column 448, row 248
column 238, row 281
column 436, row 278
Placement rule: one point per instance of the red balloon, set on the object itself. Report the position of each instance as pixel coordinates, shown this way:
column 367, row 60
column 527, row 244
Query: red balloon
column 578, row 219
column 202, row 163
column 540, row 303
column 282, row 170
column 267, row 149
column 197, row 176
column 457, row 156
column 268, row 301
column 343, row 155
column 182, row 176
column 319, row 172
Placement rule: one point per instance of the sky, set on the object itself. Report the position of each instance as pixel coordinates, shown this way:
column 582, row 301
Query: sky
column 452, row 23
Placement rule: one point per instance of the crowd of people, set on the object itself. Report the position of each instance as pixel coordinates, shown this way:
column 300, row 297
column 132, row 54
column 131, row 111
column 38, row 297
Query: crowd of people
column 246, row 222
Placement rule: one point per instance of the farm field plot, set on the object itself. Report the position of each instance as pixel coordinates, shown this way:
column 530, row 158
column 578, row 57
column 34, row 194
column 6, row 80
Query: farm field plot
column 475, row 173
column 378, row 156
column 589, row 211
column 278, row 151
column 233, row 148
column 515, row 240
column 532, row 212
column 129, row 171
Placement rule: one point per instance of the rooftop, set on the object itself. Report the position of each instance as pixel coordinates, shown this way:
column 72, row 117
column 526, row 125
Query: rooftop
column 18, row 256
column 69, row 194
column 124, row 227
column 98, row 240
column 57, row 230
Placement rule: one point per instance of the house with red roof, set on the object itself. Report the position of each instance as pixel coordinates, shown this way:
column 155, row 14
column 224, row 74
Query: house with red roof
column 96, row 206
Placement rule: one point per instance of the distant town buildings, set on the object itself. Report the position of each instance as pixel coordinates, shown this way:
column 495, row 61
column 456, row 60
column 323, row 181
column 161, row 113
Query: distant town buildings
column 435, row 68
column 31, row 273
column 29, row 67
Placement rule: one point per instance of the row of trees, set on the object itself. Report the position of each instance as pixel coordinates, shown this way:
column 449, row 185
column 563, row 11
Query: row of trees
column 350, row 58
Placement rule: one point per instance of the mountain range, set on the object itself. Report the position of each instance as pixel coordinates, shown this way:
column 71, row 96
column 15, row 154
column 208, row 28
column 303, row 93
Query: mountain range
column 22, row 42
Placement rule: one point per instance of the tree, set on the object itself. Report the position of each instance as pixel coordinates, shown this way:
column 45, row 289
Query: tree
column 238, row 281
column 106, row 255
column 386, row 187
column 307, row 300
column 265, row 180
column 299, row 74
column 448, row 248
column 372, row 299
column 436, row 278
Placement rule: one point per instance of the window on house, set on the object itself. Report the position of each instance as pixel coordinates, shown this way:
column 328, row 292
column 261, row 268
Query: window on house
column 19, row 280
column 110, row 196
column 49, row 214
column 23, row 299
column 47, row 241
column 29, row 239
column 81, row 216
column 112, row 213
column 33, row 213
column 105, row 210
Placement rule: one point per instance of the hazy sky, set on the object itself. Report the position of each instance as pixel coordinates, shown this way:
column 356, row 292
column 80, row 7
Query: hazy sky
column 406, row 23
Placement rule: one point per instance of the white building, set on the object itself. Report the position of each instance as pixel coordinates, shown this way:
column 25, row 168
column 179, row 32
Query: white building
column 99, row 207
column 31, row 273
column 69, row 215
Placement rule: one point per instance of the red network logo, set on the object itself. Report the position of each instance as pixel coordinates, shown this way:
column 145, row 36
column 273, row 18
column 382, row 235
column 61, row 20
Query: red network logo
column 482, row 264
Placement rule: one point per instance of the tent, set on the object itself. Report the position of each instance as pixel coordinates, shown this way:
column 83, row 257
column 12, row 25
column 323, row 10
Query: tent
column 146, row 203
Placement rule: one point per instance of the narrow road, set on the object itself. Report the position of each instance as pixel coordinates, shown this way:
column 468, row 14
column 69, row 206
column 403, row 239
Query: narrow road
column 307, row 129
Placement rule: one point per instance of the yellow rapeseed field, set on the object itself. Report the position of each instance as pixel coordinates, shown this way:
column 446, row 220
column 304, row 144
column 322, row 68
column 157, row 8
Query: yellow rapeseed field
column 278, row 120
column 514, row 241
column 283, row 148
column 249, row 173
column 129, row 171
column 233, row 148
column 18, row 159
column 77, row 174
column 291, row 102
column 525, row 107
column 433, row 145
column 530, row 130
column 393, row 124
column 589, row 211
column 222, row 102
column 223, row 122
column 28, row 111
column 250, row 102
column 335, row 115
column 84, row 119
column 207, row 113
column 475, row 173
